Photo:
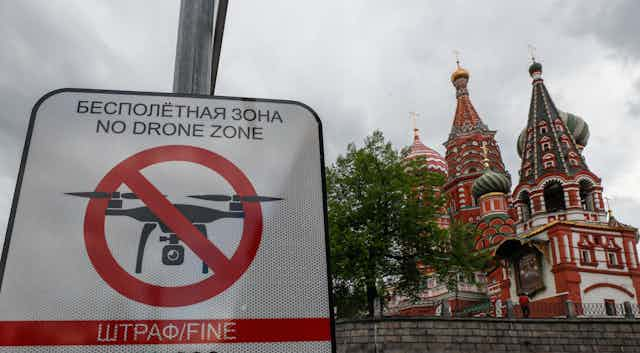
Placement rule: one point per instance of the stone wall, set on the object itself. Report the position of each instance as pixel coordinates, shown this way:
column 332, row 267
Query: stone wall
column 413, row 335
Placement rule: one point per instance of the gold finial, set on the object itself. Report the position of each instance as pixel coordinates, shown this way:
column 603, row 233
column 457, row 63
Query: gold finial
column 414, row 116
column 532, row 52
column 485, row 153
column 609, row 210
column 459, row 72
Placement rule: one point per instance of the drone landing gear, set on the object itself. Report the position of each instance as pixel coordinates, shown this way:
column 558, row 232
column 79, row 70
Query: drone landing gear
column 146, row 230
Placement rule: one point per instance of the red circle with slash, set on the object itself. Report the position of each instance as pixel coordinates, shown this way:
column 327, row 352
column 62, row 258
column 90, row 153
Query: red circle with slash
column 226, row 271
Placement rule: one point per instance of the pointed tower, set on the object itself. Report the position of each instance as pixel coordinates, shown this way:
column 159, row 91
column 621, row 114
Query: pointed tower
column 464, row 152
column 555, row 181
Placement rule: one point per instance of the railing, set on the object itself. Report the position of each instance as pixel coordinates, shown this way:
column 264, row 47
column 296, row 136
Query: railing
column 542, row 310
column 599, row 310
column 483, row 309
column 537, row 310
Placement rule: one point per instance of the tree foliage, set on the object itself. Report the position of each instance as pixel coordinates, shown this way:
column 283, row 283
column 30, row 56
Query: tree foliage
column 459, row 262
column 382, row 218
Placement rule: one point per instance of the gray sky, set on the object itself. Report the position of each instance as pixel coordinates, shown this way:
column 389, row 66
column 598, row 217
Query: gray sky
column 362, row 65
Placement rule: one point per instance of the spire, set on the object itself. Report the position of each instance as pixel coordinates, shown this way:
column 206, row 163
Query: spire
column 532, row 53
column 548, row 147
column 414, row 116
column 609, row 210
column 466, row 118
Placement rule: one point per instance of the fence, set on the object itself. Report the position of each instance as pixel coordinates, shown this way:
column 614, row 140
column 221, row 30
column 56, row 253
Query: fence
column 539, row 310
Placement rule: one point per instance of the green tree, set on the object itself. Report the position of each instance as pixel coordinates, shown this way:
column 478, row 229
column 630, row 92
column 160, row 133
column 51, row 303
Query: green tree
column 459, row 261
column 382, row 219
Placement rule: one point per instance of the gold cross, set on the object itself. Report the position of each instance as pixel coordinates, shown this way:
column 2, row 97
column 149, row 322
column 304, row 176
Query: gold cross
column 532, row 52
column 485, row 153
column 414, row 116
column 607, row 199
column 457, row 54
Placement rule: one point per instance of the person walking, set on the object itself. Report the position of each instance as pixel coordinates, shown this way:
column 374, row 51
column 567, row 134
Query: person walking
column 523, row 300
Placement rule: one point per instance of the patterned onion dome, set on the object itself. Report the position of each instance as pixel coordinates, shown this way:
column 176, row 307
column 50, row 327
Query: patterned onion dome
column 578, row 128
column 433, row 159
column 460, row 72
column 491, row 181
column 535, row 67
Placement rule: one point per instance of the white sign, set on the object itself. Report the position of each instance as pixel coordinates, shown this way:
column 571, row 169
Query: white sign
column 167, row 223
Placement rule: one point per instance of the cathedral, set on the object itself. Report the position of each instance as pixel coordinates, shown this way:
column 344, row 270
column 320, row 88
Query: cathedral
column 550, row 236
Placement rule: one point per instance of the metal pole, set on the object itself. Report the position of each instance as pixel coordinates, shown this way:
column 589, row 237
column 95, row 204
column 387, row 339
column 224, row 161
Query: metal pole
column 192, row 73
column 221, row 18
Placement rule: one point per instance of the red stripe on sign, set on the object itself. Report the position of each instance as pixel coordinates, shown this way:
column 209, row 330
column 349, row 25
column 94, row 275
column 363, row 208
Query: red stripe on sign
column 62, row 333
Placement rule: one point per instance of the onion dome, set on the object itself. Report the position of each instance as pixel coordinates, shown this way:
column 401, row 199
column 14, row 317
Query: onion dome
column 522, row 139
column 491, row 181
column 459, row 73
column 433, row 160
column 535, row 67
column 578, row 128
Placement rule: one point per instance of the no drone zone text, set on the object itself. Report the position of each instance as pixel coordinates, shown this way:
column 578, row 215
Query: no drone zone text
column 210, row 122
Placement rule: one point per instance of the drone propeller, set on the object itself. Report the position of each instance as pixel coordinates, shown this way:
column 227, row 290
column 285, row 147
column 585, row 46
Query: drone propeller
column 104, row 195
column 256, row 198
column 212, row 197
column 225, row 198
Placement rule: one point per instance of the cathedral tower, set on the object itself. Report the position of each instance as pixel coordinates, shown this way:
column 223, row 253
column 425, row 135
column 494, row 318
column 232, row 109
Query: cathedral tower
column 555, row 181
column 464, row 152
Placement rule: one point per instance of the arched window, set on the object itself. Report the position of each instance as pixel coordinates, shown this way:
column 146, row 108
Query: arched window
column 548, row 160
column 586, row 195
column 525, row 202
column 554, row 197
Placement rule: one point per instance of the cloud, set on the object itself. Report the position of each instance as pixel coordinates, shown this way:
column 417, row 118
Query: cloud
column 361, row 65
column 633, row 104
column 613, row 23
column 46, row 45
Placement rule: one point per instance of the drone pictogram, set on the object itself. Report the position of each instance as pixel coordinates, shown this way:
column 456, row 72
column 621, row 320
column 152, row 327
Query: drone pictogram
column 173, row 252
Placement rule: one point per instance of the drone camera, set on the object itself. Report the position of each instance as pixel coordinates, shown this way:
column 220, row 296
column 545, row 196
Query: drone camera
column 173, row 255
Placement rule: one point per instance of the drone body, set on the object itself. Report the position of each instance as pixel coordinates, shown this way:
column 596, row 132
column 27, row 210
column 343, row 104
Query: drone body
column 199, row 216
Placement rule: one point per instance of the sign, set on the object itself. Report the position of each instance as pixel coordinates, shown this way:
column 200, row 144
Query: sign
column 191, row 224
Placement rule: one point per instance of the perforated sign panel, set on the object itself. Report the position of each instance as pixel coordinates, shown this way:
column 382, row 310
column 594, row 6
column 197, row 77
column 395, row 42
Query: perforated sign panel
column 150, row 222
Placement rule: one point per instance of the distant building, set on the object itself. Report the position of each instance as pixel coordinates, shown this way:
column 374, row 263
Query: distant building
column 551, row 237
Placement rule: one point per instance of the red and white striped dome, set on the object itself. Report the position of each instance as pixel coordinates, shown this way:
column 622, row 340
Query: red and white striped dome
column 433, row 159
